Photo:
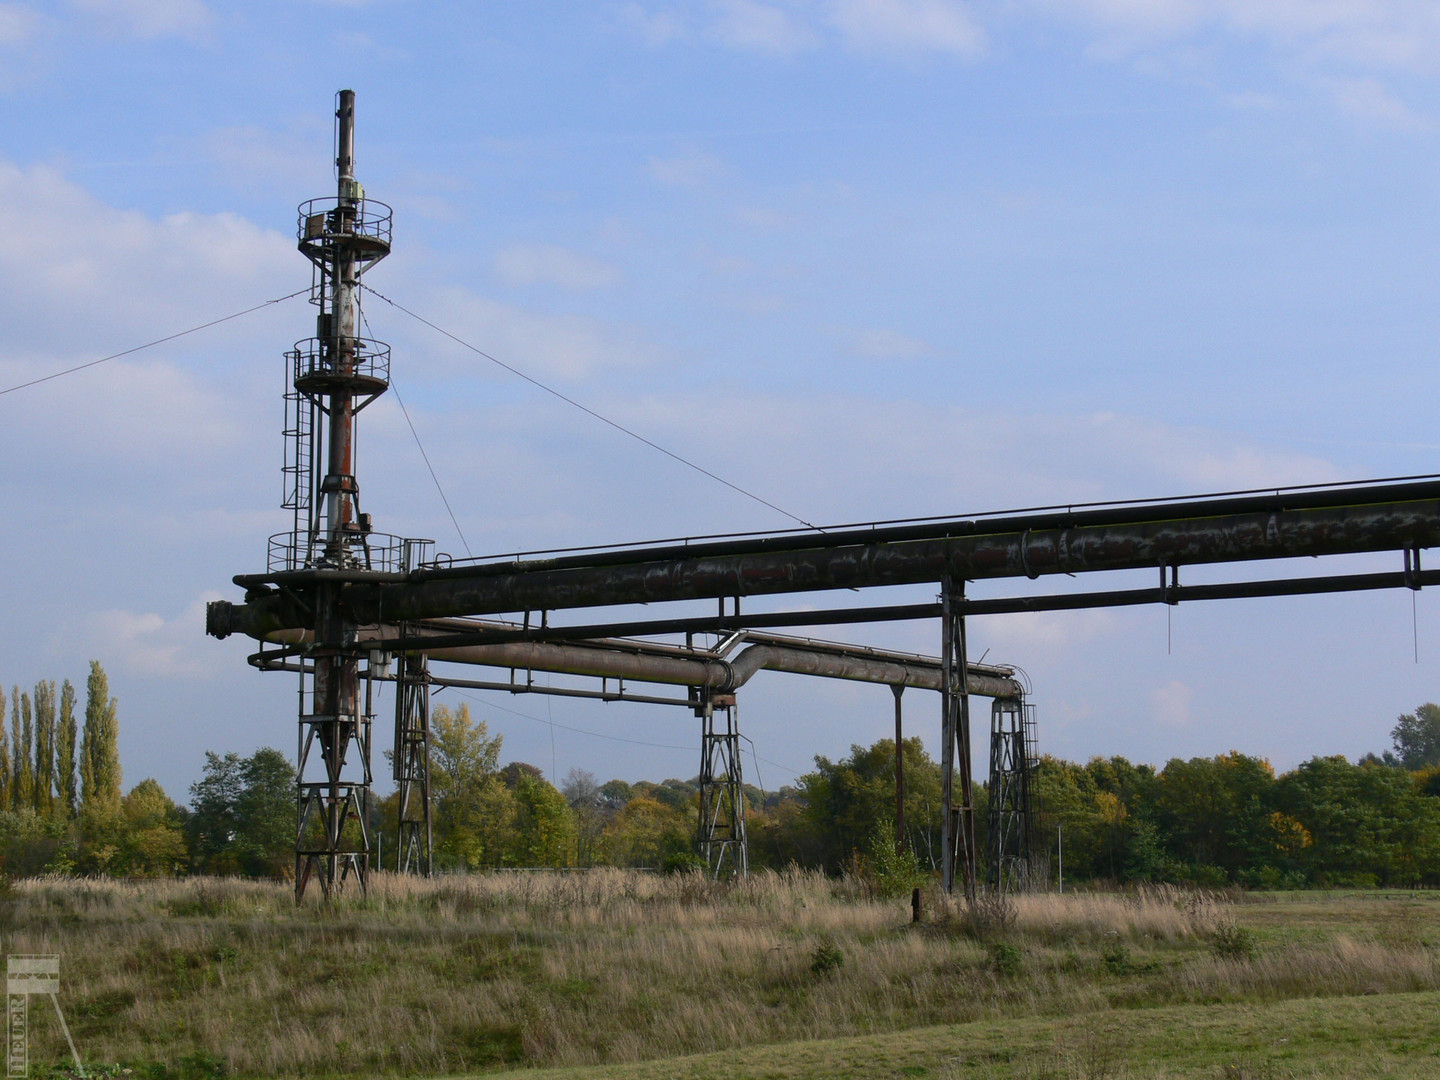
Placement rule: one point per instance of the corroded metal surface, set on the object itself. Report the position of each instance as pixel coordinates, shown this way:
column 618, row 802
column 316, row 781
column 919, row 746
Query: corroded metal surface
column 622, row 579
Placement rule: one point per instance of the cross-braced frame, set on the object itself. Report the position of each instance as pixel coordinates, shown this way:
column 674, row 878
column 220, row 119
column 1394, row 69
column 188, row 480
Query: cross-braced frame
column 722, row 789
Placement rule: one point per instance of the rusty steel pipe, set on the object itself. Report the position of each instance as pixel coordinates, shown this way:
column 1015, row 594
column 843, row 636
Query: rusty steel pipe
column 721, row 675
column 1018, row 552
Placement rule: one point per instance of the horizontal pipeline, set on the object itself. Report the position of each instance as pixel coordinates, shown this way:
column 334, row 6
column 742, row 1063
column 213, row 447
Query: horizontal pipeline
column 722, row 675
column 1281, row 501
column 1261, row 534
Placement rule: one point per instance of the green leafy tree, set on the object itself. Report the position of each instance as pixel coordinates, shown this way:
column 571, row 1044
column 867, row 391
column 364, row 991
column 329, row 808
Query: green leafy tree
column 616, row 793
column 265, row 814
column 30, row 845
column 242, row 815
column 99, row 748
column 1215, row 812
column 681, row 795
column 1367, row 824
column 1416, row 737
column 1068, row 793
column 22, row 789
column 5, row 766
column 152, row 842
column 543, row 832
column 646, row 832
column 846, row 802
column 212, row 825
column 474, row 810
column 784, row 833
column 582, row 792
column 44, row 794
column 65, row 740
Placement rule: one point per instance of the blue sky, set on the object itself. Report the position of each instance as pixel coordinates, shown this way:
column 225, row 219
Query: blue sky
column 866, row 258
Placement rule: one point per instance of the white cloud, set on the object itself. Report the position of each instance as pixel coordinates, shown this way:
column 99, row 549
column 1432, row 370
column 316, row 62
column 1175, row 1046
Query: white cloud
column 908, row 26
column 757, row 27
column 549, row 264
column 147, row 643
column 1367, row 99
column 250, row 158
column 1171, row 704
column 833, row 458
column 18, row 24
column 565, row 346
column 1029, row 633
column 88, row 274
column 888, row 345
column 688, row 170
column 655, row 28
column 151, row 18
column 1375, row 33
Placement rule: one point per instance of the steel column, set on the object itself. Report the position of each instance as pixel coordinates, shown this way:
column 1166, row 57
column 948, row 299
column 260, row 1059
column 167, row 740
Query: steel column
column 898, row 689
column 957, row 836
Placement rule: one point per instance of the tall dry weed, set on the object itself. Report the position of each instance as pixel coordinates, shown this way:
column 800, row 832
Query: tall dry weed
column 469, row 972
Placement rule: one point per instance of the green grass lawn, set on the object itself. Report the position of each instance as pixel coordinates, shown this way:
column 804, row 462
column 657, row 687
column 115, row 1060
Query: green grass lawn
column 1379, row 1036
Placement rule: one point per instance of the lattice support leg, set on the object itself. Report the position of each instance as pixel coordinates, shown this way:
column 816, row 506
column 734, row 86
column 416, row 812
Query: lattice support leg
column 1010, row 847
column 411, row 756
column 721, row 837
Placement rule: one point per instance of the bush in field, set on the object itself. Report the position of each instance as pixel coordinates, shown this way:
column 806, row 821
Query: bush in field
column 1233, row 942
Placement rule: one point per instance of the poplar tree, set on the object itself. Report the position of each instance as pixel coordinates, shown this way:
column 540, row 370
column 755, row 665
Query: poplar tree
column 4, row 755
column 22, row 754
column 15, row 758
column 44, row 748
column 99, row 747
column 65, row 735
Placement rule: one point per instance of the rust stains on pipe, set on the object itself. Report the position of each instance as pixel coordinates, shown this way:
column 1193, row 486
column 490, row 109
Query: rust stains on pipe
column 1026, row 554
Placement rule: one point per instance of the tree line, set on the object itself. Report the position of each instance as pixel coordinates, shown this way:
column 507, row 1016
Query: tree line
column 1227, row 819
column 60, row 803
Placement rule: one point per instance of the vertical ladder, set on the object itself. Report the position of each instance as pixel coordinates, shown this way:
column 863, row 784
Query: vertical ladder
column 299, row 436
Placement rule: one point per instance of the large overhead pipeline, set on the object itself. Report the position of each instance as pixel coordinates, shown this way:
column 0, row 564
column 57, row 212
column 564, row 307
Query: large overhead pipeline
column 722, row 674
column 1284, row 525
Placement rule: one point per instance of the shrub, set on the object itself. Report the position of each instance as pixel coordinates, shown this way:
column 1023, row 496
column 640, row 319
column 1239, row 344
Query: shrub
column 1005, row 958
column 1233, row 942
column 679, row 862
column 826, row 958
column 1116, row 958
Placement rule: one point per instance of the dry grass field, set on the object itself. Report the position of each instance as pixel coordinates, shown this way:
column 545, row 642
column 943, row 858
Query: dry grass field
column 615, row 973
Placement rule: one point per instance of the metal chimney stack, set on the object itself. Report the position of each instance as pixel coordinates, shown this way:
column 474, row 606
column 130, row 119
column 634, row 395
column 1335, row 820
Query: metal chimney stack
column 333, row 376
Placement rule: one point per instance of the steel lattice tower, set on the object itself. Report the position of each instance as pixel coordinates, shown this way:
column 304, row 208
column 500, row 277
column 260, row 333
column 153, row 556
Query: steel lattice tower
column 1011, row 844
column 334, row 375
column 410, row 758
column 722, row 790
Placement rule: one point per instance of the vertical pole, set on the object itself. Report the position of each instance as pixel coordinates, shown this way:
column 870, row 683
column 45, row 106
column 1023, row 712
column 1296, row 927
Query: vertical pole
column 966, row 809
column 958, row 826
column 947, row 742
column 898, row 689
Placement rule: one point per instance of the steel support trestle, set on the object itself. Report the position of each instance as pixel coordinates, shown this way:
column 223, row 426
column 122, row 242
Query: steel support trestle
column 722, row 792
column 414, row 848
column 1011, row 848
